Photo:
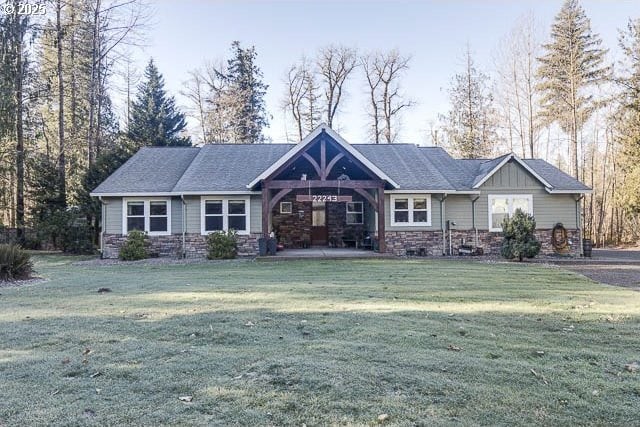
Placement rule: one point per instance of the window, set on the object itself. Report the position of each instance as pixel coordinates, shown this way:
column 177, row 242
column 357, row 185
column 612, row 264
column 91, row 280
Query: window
column 286, row 207
column 237, row 215
column 354, row 213
column 503, row 205
column 224, row 214
column 157, row 217
column 407, row 210
column 152, row 216
column 213, row 218
column 135, row 216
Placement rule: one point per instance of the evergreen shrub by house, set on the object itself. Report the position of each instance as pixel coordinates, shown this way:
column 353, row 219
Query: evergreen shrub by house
column 222, row 245
column 519, row 240
column 15, row 263
column 135, row 247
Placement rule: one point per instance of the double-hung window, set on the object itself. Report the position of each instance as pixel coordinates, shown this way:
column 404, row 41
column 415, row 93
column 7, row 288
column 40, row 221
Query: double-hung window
column 355, row 213
column 411, row 210
column 152, row 216
column 502, row 206
column 222, row 214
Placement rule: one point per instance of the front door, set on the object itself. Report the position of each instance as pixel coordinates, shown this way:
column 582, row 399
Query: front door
column 319, row 224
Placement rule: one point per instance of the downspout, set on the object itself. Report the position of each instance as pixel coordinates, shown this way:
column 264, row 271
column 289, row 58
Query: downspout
column 578, row 224
column 473, row 220
column 442, row 227
column 184, row 226
column 103, row 212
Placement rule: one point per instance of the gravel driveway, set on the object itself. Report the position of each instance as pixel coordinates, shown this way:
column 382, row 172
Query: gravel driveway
column 619, row 267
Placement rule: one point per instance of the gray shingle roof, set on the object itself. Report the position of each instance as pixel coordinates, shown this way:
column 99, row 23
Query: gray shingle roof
column 230, row 167
column 554, row 176
column 151, row 169
column 405, row 164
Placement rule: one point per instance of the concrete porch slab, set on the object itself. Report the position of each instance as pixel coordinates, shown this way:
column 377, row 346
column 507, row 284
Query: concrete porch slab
column 323, row 253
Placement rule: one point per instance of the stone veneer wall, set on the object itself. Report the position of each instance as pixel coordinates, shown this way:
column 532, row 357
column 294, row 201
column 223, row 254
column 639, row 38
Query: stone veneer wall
column 171, row 246
column 291, row 229
column 399, row 241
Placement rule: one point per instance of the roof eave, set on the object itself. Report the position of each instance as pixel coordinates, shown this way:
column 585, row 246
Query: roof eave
column 175, row 193
column 583, row 191
column 440, row 191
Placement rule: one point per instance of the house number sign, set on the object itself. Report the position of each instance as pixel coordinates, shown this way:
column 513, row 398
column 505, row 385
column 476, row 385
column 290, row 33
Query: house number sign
column 322, row 198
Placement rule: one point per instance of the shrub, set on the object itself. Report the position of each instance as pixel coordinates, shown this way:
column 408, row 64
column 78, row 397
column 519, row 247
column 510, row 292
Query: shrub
column 519, row 240
column 222, row 245
column 135, row 247
column 15, row 263
column 67, row 230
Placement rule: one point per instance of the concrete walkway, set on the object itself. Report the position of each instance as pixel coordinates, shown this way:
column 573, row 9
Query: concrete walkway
column 323, row 253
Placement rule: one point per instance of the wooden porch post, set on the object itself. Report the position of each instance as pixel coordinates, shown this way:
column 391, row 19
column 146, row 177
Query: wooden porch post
column 381, row 243
column 265, row 210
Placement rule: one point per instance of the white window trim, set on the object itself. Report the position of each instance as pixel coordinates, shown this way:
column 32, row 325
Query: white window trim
column 509, row 198
column 147, row 214
column 225, row 213
column 283, row 211
column 360, row 212
column 410, row 198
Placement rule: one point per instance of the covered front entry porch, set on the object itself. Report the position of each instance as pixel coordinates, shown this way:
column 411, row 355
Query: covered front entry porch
column 324, row 193
column 325, row 217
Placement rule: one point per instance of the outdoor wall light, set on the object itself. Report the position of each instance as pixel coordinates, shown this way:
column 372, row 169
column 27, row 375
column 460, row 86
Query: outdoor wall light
column 301, row 214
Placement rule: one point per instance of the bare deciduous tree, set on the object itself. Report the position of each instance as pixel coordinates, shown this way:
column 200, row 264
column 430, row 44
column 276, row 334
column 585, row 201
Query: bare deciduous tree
column 383, row 71
column 335, row 64
column 301, row 97
column 517, row 92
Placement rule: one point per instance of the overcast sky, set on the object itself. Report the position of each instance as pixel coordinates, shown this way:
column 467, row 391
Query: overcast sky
column 188, row 32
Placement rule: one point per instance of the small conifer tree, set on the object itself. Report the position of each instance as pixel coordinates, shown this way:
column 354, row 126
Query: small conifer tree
column 519, row 240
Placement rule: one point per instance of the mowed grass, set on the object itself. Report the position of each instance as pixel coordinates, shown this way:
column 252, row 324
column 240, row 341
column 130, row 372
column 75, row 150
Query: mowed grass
column 317, row 343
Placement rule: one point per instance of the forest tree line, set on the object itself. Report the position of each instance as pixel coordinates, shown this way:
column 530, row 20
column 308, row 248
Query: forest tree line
column 555, row 97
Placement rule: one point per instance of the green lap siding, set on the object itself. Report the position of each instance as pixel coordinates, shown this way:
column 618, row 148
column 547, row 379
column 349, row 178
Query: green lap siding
column 113, row 215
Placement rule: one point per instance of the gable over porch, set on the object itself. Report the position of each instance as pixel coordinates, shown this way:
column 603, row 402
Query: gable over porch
column 323, row 169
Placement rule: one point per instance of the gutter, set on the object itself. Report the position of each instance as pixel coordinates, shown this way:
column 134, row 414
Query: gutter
column 442, row 228
column 103, row 213
column 578, row 224
column 184, row 226
column 473, row 219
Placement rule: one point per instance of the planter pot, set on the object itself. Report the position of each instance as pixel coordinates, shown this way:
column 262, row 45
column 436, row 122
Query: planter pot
column 262, row 246
column 587, row 246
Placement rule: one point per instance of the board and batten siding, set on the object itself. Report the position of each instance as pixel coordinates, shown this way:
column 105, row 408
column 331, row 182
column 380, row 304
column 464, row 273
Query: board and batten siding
column 548, row 209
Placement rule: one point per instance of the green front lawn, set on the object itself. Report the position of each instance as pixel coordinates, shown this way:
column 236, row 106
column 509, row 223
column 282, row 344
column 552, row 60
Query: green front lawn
column 317, row 343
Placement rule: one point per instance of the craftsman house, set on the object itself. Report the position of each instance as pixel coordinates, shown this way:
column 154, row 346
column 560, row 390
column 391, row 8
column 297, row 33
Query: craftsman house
column 323, row 191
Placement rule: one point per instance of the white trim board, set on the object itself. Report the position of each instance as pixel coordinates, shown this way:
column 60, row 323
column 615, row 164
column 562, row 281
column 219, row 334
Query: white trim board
column 177, row 194
column 147, row 214
column 225, row 213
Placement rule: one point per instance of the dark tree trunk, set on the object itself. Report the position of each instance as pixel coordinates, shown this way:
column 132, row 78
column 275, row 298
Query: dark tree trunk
column 62, row 177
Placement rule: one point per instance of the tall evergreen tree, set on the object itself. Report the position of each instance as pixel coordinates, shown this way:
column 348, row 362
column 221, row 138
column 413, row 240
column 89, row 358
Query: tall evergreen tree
column 629, row 122
column 470, row 124
column 155, row 119
column 245, row 95
column 572, row 62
